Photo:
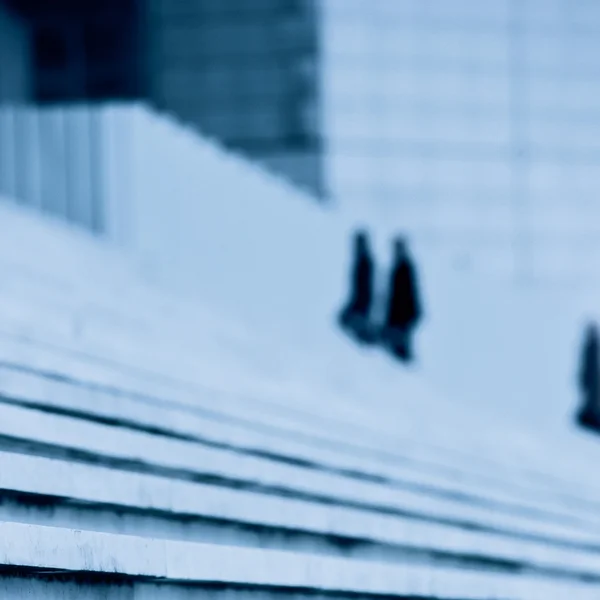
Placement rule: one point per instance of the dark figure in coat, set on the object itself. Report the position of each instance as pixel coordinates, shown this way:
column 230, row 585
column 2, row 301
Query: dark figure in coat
column 589, row 380
column 355, row 316
column 404, row 307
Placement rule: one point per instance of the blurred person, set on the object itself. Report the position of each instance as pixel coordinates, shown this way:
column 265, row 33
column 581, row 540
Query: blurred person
column 589, row 412
column 355, row 318
column 403, row 306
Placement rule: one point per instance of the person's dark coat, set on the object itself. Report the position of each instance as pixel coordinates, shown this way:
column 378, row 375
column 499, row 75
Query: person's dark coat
column 361, row 296
column 355, row 316
column 404, row 307
column 588, row 373
column 589, row 379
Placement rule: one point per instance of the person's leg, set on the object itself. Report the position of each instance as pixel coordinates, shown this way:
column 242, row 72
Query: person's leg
column 344, row 317
column 364, row 327
column 587, row 415
column 356, row 324
column 404, row 352
column 587, row 419
column 395, row 342
column 408, row 344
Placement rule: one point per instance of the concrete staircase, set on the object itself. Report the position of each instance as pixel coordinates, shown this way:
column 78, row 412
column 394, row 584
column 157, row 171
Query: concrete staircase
column 144, row 455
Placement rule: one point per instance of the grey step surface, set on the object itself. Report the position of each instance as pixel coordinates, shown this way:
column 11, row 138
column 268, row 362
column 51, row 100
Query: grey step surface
column 28, row 388
column 134, row 469
column 46, row 491
column 315, row 447
column 74, row 553
column 418, row 495
column 126, row 315
column 169, row 454
column 514, row 470
column 438, row 528
column 51, row 251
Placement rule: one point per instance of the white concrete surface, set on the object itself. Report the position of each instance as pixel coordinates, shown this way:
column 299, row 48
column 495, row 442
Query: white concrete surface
column 175, row 201
column 555, row 498
column 93, row 353
column 162, row 453
column 53, row 548
column 52, row 257
column 123, row 490
column 35, row 314
column 180, row 418
column 165, row 184
column 507, row 503
column 92, row 314
column 37, row 320
column 285, row 416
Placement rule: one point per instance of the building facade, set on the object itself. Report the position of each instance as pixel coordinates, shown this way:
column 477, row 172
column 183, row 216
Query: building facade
column 243, row 72
column 468, row 123
column 15, row 69
column 246, row 72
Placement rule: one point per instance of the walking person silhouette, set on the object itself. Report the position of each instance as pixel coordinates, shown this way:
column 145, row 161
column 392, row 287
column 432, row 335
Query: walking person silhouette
column 355, row 316
column 589, row 380
column 404, row 306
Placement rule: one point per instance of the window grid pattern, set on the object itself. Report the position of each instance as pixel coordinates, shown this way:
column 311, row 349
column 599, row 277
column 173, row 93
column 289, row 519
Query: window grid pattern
column 478, row 118
column 242, row 71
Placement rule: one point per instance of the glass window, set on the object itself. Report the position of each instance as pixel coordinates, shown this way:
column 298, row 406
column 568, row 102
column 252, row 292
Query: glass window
column 51, row 48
